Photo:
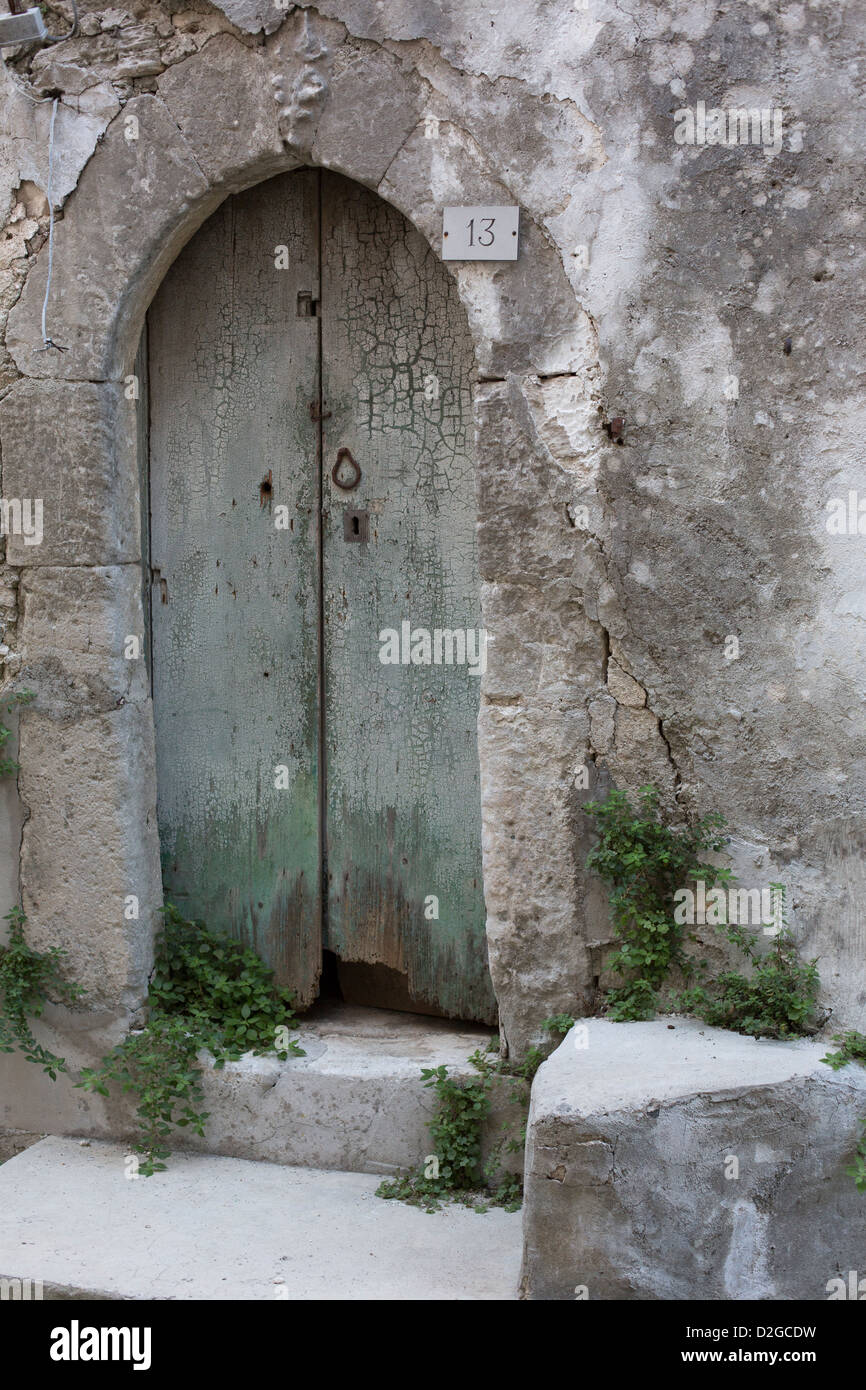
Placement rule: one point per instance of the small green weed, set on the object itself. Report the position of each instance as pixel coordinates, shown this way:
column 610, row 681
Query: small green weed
column 207, row 992
column 454, row 1171
column 852, row 1048
column 22, row 697
column 777, row 1000
column 644, row 861
column 28, row 980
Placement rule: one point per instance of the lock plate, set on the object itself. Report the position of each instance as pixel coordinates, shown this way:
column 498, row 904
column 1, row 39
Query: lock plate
column 356, row 526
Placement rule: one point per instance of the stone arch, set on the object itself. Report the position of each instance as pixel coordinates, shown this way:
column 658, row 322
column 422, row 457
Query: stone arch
column 230, row 116
column 216, row 126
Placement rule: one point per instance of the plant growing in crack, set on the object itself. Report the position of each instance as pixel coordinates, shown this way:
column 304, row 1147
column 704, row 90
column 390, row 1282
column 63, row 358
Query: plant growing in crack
column 777, row 999
column 643, row 860
column 207, row 993
column 851, row 1047
column 454, row 1171
column 28, row 980
column 646, row 861
column 12, row 702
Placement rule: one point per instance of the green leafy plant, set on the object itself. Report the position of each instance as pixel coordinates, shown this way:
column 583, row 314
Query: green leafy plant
column 207, row 993
column 223, row 990
column 852, row 1048
column 643, row 860
column 456, row 1127
column 28, row 980
column 159, row 1064
column 454, row 1171
column 560, row 1023
column 857, row 1170
column 22, row 697
column 777, row 1000
column 517, row 1077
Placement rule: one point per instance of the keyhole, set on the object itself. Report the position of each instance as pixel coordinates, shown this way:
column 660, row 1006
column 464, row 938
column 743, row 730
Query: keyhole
column 355, row 526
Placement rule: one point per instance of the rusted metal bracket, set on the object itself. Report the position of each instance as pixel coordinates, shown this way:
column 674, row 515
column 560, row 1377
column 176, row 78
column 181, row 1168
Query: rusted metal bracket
column 308, row 305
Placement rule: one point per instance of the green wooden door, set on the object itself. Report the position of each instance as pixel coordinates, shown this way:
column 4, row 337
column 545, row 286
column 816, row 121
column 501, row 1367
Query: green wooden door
column 291, row 758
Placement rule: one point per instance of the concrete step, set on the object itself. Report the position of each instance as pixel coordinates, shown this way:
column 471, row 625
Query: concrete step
column 669, row 1160
column 355, row 1102
column 224, row 1228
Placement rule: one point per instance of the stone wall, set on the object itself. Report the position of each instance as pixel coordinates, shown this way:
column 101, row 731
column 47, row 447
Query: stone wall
column 669, row 397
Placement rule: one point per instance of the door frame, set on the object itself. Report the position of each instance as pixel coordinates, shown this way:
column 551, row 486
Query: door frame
column 214, row 128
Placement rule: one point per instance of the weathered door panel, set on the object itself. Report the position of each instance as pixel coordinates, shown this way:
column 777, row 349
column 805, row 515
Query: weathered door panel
column 247, row 618
column 233, row 370
column 403, row 801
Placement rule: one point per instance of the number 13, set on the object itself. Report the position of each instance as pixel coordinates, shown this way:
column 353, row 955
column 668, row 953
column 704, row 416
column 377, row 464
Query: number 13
column 487, row 224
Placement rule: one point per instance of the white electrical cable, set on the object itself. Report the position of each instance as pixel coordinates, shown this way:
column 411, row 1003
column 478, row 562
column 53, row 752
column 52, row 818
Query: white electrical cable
column 38, row 101
column 46, row 341
column 22, row 88
column 61, row 38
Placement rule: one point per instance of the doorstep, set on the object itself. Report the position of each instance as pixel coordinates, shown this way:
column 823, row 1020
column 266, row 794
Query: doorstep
column 223, row 1228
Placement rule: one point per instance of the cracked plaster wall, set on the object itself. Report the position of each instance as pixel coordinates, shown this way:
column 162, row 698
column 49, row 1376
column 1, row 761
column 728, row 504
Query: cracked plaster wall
column 652, row 276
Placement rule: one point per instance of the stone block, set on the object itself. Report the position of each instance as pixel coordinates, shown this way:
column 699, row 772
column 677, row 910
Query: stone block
column 355, row 1101
column 223, row 104
column 623, row 687
column 71, row 447
column 670, row 1160
column 90, row 845
column 225, row 1229
column 82, row 638
column 385, row 104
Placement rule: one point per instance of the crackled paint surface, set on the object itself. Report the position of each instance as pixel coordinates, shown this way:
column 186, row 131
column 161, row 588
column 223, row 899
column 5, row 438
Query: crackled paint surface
column 235, row 600
column 234, row 603
column 403, row 802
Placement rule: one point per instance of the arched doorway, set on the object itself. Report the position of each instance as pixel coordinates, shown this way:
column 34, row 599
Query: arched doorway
column 315, row 616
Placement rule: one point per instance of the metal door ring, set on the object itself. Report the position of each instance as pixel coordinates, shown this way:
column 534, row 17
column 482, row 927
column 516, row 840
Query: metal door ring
column 346, row 454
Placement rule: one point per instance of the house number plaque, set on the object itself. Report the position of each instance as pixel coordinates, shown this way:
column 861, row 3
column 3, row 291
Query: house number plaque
column 480, row 234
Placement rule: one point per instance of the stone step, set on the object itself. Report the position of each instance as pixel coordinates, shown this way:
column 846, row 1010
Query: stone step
column 671, row 1160
column 355, row 1102
column 225, row 1228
